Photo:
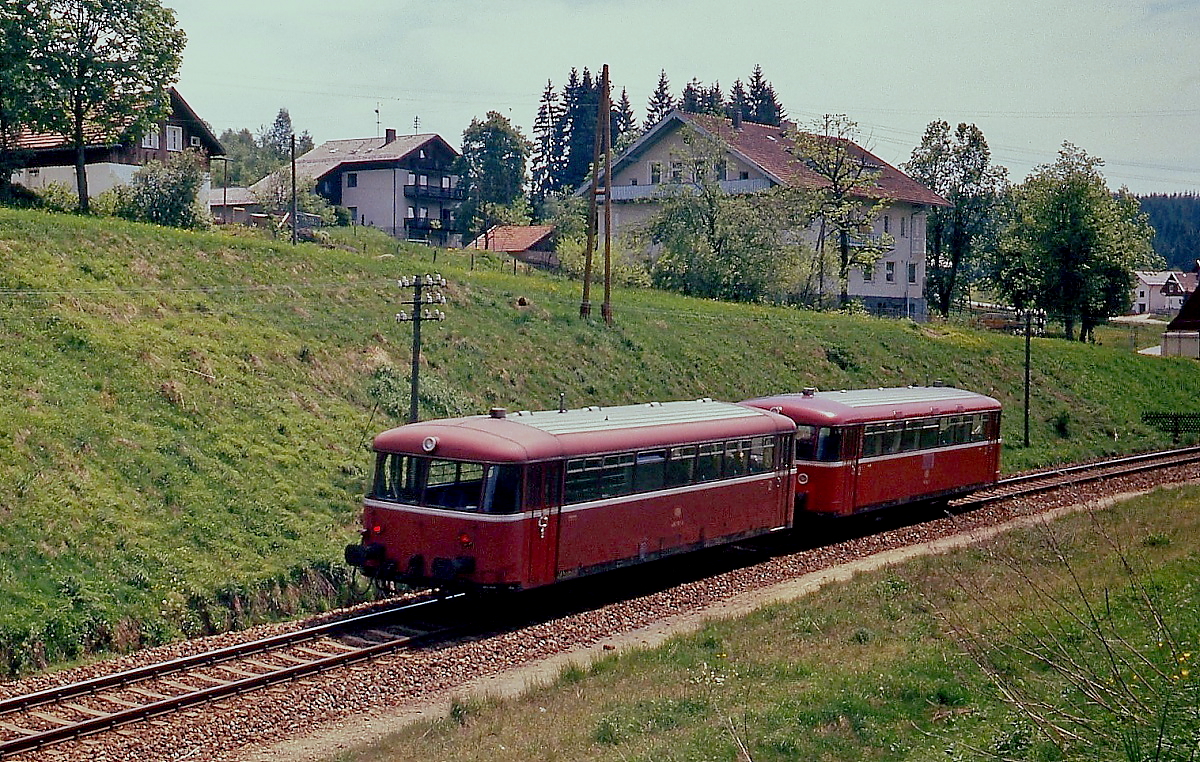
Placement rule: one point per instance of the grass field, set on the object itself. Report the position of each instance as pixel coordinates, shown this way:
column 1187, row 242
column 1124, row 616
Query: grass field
column 189, row 412
column 898, row 664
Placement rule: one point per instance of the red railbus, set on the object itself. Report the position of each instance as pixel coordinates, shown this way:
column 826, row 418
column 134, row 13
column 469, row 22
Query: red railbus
column 521, row 500
column 864, row 449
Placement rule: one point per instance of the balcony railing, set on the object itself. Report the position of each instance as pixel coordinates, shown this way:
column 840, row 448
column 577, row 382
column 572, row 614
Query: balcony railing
column 425, row 223
column 433, row 192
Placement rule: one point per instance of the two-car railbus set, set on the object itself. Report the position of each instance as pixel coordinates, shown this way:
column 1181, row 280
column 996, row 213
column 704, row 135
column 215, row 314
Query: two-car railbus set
column 522, row 500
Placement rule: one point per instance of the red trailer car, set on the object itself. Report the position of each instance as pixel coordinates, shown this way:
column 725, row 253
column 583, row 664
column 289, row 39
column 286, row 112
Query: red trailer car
column 520, row 500
column 864, row 449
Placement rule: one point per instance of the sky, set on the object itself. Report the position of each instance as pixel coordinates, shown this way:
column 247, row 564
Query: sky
column 1121, row 80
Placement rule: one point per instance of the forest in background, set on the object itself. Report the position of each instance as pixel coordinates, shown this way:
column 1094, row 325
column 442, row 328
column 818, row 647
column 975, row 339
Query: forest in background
column 1175, row 218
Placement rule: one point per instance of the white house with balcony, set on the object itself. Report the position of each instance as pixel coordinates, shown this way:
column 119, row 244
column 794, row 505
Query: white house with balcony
column 403, row 184
column 757, row 159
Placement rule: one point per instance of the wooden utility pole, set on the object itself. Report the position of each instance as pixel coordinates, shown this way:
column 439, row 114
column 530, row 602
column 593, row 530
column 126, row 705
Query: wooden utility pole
column 601, row 181
column 294, row 206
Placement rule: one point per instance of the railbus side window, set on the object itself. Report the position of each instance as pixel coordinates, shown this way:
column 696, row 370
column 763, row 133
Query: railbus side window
column 829, row 444
column 708, row 462
column 649, row 471
column 617, row 477
column 762, row 454
column 502, row 489
column 737, row 456
column 872, row 440
column 806, row 442
column 680, row 462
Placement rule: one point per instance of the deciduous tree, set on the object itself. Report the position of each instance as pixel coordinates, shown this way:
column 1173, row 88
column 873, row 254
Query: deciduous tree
column 110, row 63
column 491, row 169
column 958, row 167
column 1072, row 245
column 23, row 85
column 846, row 198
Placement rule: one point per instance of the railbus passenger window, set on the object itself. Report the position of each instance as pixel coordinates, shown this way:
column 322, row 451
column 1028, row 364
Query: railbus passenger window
column 762, row 455
column 583, row 480
column 872, row 440
column 977, row 428
column 679, row 466
column 736, row 456
column 910, row 437
column 708, row 462
column 617, row 477
column 648, row 473
column 927, row 436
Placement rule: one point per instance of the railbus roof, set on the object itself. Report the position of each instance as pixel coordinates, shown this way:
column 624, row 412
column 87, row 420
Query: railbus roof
column 864, row 405
column 546, row 434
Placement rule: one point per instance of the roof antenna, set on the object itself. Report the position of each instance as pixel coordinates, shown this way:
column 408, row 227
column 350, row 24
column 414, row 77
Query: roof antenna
column 416, row 124
column 377, row 119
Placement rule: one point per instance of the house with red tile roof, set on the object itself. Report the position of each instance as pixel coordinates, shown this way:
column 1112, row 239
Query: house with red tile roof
column 758, row 159
column 50, row 158
column 404, row 185
column 529, row 243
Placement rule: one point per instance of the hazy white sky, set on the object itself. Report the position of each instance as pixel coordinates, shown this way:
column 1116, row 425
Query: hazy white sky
column 1119, row 79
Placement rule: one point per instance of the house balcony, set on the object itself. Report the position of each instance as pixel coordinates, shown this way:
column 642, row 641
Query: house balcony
column 425, row 224
column 433, row 192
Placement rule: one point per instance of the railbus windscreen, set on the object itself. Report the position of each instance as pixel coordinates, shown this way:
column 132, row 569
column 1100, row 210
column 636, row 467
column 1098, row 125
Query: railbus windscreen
column 455, row 485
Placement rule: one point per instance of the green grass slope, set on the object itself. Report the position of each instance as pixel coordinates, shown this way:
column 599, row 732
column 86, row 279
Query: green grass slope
column 189, row 412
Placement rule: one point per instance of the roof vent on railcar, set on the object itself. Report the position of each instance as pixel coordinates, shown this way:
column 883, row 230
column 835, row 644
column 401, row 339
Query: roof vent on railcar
column 498, row 412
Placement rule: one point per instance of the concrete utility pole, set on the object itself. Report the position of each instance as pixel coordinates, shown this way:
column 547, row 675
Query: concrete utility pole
column 425, row 293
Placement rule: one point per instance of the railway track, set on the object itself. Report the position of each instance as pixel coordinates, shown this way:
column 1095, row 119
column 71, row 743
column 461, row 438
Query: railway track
column 108, row 702
column 1066, row 476
column 102, row 704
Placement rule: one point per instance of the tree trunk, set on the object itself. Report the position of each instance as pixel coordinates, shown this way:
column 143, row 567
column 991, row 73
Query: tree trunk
column 80, row 161
column 844, row 267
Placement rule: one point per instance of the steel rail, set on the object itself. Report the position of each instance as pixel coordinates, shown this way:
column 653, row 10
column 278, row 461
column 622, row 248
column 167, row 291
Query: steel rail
column 213, row 658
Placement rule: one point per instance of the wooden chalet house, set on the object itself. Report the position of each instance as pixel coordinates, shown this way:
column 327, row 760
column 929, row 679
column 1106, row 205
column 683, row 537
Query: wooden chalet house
column 50, row 158
column 403, row 184
column 757, row 159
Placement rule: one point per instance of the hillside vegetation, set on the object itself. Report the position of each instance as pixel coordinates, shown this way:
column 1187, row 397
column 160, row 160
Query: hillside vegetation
column 190, row 413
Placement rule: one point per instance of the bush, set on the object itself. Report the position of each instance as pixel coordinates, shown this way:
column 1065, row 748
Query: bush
column 165, row 194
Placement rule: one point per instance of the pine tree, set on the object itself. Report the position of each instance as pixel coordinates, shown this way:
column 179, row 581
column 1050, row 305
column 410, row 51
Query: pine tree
column 580, row 106
column 624, row 122
column 661, row 102
column 690, row 100
column 712, row 100
column 546, row 161
column 739, row 101
column 765, row 107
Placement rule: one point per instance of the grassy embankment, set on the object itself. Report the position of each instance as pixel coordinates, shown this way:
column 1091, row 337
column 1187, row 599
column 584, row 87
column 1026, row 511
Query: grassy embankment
column 188, row 411
column 870, row 670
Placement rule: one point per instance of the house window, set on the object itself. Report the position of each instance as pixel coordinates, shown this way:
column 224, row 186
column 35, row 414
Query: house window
column 698, row 173
column 174, row 137
column 150, row 140
column 868, row 274
column 633, row 181
column 412, row 212
column 351, row 179
column 655, row 172
column 889, row 270
column 446, row 182
column 887, row 224
column 902, row 233
column 423, row 180
column 424, row 212
column 677, row 171
column 912, row 267
column 353, row 214
column 722, row 169
column 743, row 175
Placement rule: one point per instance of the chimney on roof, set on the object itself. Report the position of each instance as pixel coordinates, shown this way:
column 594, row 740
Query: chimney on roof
column 737, row 117
column 389, row 135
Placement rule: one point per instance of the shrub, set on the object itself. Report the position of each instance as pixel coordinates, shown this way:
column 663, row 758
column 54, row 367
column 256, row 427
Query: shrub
column 166, row 194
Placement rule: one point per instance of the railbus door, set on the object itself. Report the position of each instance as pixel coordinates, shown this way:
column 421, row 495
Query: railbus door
column 543, row 482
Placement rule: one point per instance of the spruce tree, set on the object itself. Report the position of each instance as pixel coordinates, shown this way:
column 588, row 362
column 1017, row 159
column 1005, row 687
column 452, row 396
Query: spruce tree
column 739, row 101
column 624, row 122
column 765, row 107
column 661, row 102
column 546, row 160
column 690, row 100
